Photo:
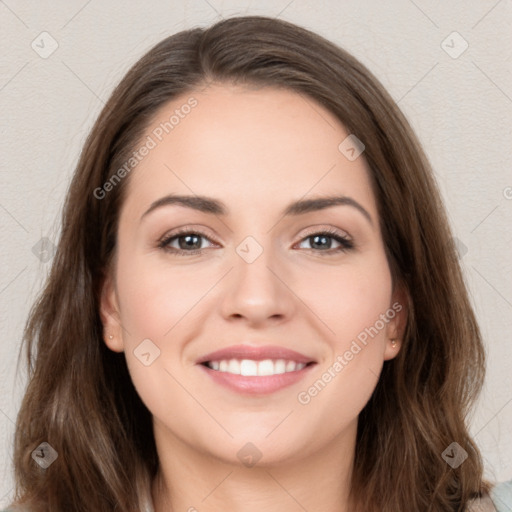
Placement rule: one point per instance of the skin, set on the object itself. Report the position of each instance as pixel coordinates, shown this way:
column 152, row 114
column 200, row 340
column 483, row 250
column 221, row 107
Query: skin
column 256, row 150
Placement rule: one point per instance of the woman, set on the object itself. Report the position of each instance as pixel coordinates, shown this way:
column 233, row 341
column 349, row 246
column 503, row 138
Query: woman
column 197, row 348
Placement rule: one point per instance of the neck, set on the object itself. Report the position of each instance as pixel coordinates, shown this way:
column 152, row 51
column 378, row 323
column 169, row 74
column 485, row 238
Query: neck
column 193, row 481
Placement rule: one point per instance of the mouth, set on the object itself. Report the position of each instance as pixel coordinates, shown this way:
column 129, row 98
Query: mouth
column 256, row 370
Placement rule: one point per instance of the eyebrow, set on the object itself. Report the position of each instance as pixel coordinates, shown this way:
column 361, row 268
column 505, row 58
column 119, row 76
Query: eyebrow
column 215, row 207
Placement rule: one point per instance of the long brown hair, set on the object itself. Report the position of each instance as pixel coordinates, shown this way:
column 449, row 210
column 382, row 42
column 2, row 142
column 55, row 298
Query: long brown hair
column 80, row 398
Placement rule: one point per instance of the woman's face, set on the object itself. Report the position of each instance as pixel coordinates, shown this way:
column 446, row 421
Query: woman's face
column 253, row 276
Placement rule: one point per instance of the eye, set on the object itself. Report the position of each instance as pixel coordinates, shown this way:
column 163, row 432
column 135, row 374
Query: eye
column 189, row 242
column 323, row 240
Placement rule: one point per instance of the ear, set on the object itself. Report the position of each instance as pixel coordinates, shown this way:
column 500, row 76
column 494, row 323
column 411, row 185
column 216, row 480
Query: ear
column 397, row 313
column 110, row 317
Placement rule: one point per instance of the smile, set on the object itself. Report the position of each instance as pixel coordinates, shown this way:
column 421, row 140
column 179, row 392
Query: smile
column 255, row 369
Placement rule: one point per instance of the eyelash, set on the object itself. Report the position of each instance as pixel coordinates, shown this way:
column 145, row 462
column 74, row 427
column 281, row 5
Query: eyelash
column 345, row 243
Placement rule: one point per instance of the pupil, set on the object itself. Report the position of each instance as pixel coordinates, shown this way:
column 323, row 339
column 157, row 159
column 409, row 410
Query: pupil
column 320, row 237
column 188, row 239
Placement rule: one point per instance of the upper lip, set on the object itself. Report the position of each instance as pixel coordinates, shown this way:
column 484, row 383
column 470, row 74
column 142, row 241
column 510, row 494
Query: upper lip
column 256, row 353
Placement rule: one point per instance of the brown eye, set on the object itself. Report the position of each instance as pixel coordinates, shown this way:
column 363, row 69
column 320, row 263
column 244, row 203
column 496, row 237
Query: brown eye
column 189, row 242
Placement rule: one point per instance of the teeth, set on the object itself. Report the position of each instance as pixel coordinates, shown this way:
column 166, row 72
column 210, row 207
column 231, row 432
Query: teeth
column 290, row 366
column 248, row 367
column 280, row 366
column 233, row 366
column 251, row 368
column 266, row 367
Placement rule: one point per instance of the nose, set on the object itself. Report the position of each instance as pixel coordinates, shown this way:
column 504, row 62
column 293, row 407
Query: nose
column 258, row 292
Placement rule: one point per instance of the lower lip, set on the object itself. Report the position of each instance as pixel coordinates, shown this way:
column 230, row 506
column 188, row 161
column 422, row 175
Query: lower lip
column 257, row 385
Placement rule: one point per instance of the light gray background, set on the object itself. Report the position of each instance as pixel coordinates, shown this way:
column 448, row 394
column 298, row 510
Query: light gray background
column 460, row 107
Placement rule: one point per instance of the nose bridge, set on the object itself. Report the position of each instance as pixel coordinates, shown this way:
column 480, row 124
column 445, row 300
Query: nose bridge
column 256, row 290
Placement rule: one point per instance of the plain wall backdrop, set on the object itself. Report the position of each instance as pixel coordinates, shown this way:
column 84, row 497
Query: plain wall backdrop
column 446, row 64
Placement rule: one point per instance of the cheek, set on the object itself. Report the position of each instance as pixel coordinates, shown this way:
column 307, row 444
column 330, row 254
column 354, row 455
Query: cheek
column 351, row 304
column 153, row 298
column 156, row 304
column 350, row 298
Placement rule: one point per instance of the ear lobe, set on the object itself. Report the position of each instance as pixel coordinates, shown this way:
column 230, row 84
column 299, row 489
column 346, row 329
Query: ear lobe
column 109, row 314
column 397, row 324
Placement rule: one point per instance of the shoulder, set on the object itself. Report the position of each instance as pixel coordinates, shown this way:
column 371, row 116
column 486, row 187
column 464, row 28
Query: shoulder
column 483, row 504
column 498, row 500
column 501, row 495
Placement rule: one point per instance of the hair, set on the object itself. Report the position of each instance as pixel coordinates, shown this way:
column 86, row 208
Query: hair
column 80, row 397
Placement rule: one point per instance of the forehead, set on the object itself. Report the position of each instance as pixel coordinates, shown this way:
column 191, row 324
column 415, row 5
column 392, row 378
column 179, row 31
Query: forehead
column 247, row 145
